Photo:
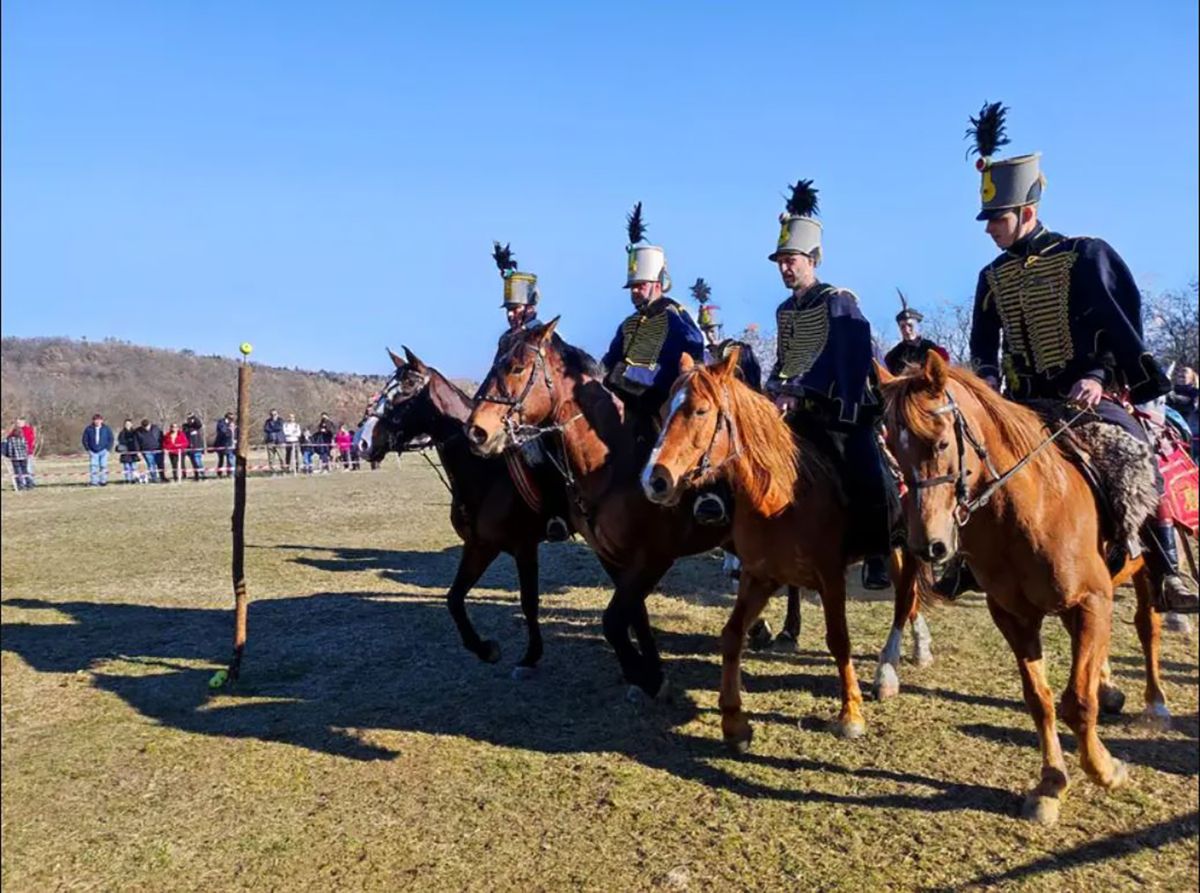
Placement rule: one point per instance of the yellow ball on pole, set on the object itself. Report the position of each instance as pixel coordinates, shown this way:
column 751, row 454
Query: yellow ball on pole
column 246, row 348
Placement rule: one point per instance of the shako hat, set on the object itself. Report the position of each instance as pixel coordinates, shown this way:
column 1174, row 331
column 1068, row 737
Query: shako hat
column 647, row 263
column 1006, row 183
column 799, row 230
column 708, row 313
column 907, row 312
column 520, row 289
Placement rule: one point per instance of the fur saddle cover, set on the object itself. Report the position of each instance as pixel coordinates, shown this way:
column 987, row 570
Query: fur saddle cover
column 1125, row 469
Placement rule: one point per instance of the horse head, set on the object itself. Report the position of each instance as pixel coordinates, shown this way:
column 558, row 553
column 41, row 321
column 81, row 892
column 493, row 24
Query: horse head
column 522, row 390
column 405, row 414
column 717, row 426
column 926, row 424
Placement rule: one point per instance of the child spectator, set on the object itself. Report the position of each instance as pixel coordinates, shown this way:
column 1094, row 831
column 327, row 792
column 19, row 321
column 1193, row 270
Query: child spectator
column 16, row 448
column 306, row 448
column 127, row 449
column 344, row 440
column 175, row 444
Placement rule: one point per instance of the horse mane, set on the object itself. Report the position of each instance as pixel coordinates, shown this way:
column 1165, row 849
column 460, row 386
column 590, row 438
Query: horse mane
column 769, row 462
column 576, row 361
column 1019, row 429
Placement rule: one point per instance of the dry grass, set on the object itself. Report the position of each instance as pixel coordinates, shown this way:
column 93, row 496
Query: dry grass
column 366, row 748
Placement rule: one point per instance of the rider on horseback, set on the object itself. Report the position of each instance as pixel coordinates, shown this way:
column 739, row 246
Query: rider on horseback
column 643, row 360
column 823, row 378
column 1070, row 314
column 521, row 296
column 912, row 348
column 717, row 348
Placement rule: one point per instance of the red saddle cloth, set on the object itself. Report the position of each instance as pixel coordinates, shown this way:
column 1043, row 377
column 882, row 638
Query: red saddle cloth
column 1180, row 475
column 523, row 480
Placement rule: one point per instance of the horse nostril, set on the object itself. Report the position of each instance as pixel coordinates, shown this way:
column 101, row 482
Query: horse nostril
column 476, row 435
column 938, row 551
column 658, row 485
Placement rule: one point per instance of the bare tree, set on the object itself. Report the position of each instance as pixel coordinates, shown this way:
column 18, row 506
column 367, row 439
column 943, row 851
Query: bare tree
column 949, row 324
column 1170, row 323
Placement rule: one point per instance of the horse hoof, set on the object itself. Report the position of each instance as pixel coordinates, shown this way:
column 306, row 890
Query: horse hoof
column 786, row 643
column 851, row 729
column 887, row 682
column 1176, row 623
column 1041, row 809
column 1157, row 717
column 521, row 673
column 739, row 745
column 1120, row 776
column 759, row 638
column 923, row 657
column 1112, row 700
column 489, row 651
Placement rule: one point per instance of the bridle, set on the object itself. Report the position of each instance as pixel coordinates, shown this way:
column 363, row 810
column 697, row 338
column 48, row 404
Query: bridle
column 397, row 395
column 705, row 466
column 964, row 505
column 515, row 429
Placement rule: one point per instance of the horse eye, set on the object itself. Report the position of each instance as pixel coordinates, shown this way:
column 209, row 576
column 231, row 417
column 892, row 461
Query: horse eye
column 701, row 410
column 943, row 446
column 516, row 370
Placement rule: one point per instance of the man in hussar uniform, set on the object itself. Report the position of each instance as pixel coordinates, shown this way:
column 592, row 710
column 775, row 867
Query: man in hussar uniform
column 912, row 348
column 716, row 346
column 547, row 494
column 1070, row 315
column 643, row 359
column 823, row 378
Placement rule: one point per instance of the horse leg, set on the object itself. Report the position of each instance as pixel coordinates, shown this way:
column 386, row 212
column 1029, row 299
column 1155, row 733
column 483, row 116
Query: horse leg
column 527, row 575
column 1024, row 638
column 752, row 598
column 922, row 640
column 837, row 637
column 475, row 560
column 789, row 637
column 1149, row 629
column 1110, row 698
column 656, row 679
column 1090, row 625
column 887, row 672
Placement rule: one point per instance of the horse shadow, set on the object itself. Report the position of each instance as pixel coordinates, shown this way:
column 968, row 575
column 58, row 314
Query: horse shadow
column 346, row 673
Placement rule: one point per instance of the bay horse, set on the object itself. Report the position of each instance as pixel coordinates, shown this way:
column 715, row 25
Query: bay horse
column 790, row 523
column 1036, row 546
column 488, row 513
column 542, row 385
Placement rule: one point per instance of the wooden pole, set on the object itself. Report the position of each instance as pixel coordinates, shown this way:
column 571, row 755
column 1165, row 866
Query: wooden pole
column 239, row 515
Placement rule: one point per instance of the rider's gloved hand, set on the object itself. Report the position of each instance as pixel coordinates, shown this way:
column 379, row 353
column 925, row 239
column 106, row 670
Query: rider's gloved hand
column 1086, row 392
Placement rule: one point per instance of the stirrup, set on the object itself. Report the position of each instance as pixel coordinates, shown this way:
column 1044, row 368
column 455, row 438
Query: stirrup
column 874, row 573
column 557, row 530
column 1172, row 596
column 709, row 509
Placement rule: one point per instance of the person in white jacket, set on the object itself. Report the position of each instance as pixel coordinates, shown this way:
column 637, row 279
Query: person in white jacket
column 291, row 440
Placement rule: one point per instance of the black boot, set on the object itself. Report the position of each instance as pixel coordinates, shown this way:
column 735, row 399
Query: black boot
column 1170, row 591
column 557, row 530
column 956, row 579
column 874, row 573
column 709, row 509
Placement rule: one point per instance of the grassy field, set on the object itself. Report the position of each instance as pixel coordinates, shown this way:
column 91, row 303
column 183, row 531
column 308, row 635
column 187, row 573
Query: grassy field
column 364, row 748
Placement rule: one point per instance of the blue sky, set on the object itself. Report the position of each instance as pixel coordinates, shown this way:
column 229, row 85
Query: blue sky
column 326, row 179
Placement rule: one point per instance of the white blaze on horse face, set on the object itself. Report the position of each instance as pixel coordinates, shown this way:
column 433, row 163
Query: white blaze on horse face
column 676, row 402
column 366, row 435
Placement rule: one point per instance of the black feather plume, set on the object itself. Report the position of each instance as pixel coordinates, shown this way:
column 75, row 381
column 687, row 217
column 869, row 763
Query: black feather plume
column 903, row 299
column 637, row 228
column 701, row 291
column 504, row 258
column 988, row 130
column 803, row 200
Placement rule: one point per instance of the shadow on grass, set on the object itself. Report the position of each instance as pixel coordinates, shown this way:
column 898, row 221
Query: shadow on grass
column 1114, row 846
column 341, row 672
column 1172, row 755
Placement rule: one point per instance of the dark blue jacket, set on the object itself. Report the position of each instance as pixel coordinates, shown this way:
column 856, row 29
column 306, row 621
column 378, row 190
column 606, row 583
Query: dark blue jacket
column 273, row 430
column 1068, row 308
column 97, row 440
column 748, row 366
column 224, row 437
column 824, row 354
column 643, row 359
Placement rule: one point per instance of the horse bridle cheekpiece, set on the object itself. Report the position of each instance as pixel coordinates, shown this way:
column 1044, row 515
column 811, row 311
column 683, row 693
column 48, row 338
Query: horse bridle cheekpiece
column 395, row 397
column 705, row 466
column 965, row 506
column 519, row 433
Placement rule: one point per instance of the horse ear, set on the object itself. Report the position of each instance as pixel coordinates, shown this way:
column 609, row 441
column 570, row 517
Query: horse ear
column 547, row 331
column 686, row 363
column 395, row 359
column 728, row 364
column 413, row 360
column 882, row 373
column 937, row 371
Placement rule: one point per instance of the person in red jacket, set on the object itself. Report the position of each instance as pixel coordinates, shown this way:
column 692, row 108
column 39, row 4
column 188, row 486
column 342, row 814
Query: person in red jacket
column 175, row 444
column 344, row 440
column 30, row 435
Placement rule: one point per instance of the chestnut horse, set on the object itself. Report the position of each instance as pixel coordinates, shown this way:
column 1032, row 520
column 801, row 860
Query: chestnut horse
column 1036, row 545
column 541, row 385
column 790, row 523
column 487, row 512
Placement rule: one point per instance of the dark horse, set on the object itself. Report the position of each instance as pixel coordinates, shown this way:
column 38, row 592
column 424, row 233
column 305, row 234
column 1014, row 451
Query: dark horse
column 419, row 405
column 543, row 385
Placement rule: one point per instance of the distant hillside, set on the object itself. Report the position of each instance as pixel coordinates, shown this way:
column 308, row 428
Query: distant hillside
column 59, row 383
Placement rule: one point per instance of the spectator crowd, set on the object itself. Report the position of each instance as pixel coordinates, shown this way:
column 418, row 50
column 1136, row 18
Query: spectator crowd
column 150, row 455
